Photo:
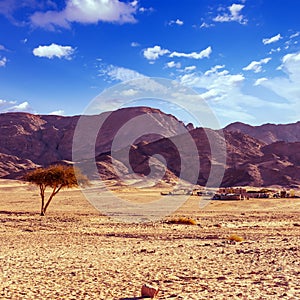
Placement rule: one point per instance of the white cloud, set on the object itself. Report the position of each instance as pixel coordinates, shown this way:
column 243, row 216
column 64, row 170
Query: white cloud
column 224, row 93
column 295, row 35
column 215, row 69
column 129, row 92
column 87, row 12
column 210, row 94
column 59, row 112
column 11, row 106
column 145, row 9
column 289, row 60
column 172, row 64
column 287, row 86
column 153, row 53
column 231, row 98
column 190, row 68
column 202, row 54
column 54, row 50
column 120, row 73
column 177, row 22
column 2, row 47
column 4, row 103
column 291, row 41
column 259, row 81
column 278, row 49
column 134, row 3
column 135, row 44
column 213, row 79
column 21, row 107
column 271, row 40
column 206, row 25
column 234, row 15
column 256, row 66
column 3, row 62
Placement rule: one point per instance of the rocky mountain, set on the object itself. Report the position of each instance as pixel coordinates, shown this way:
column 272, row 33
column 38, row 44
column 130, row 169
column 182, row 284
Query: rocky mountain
column 12, row 167
column 259, row 156
column 248, row 160
column 46, row 139
column 268, row 133
column 274, row 164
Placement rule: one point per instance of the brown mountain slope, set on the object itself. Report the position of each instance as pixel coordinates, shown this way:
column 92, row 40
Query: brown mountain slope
column 276, row 164
column 44, row 139
column 12, row 167
column 268, row 133
column 248, row 160
column 41, row 139
column 27, row 141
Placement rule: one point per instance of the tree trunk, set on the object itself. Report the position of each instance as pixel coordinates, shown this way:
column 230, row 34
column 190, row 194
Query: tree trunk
column 42, row 190
column 54, row 192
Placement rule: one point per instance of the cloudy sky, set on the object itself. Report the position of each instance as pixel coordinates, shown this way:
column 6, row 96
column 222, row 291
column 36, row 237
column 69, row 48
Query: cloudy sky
column 242, row 57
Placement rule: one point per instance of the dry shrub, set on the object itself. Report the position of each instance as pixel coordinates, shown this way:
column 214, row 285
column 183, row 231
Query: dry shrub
column 235, row 238
column 183, row 221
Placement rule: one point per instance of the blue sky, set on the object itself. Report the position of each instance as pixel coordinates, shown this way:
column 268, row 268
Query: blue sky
column 242, row 57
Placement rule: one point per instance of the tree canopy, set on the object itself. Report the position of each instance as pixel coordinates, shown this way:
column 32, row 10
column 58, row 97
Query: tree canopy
column 55, row 177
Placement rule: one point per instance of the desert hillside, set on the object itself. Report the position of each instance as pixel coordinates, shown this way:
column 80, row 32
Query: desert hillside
column 269, row 133
column 257, row 156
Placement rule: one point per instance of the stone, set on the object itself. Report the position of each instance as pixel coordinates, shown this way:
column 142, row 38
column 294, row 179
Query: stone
column 149, row 291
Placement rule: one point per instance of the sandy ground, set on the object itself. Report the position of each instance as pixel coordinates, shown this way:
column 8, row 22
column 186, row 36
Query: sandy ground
column 75, row 252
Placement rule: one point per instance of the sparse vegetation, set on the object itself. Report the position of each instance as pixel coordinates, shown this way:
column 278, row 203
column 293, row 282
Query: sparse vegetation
column 56, row 177
column 183, row 221
column 235, row 238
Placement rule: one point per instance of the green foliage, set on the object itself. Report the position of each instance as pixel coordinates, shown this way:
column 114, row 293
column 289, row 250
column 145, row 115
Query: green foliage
column 55, row 177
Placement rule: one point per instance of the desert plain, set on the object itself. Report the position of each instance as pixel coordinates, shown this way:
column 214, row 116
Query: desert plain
column 76, row 252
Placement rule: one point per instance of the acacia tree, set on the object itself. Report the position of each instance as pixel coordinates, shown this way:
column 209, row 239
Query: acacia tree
column 55, row 177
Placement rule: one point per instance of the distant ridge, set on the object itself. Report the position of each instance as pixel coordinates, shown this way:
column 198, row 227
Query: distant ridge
column 268, row 133
column 265, row 155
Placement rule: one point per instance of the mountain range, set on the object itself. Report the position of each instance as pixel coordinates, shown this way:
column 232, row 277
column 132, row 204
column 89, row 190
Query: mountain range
column 266, row 155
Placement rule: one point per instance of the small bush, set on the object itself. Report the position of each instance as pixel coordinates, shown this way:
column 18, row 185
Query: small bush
column 183, row 221
column 235, row 237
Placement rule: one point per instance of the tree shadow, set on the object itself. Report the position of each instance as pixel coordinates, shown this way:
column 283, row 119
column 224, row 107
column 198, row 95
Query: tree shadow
column 6, row 212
